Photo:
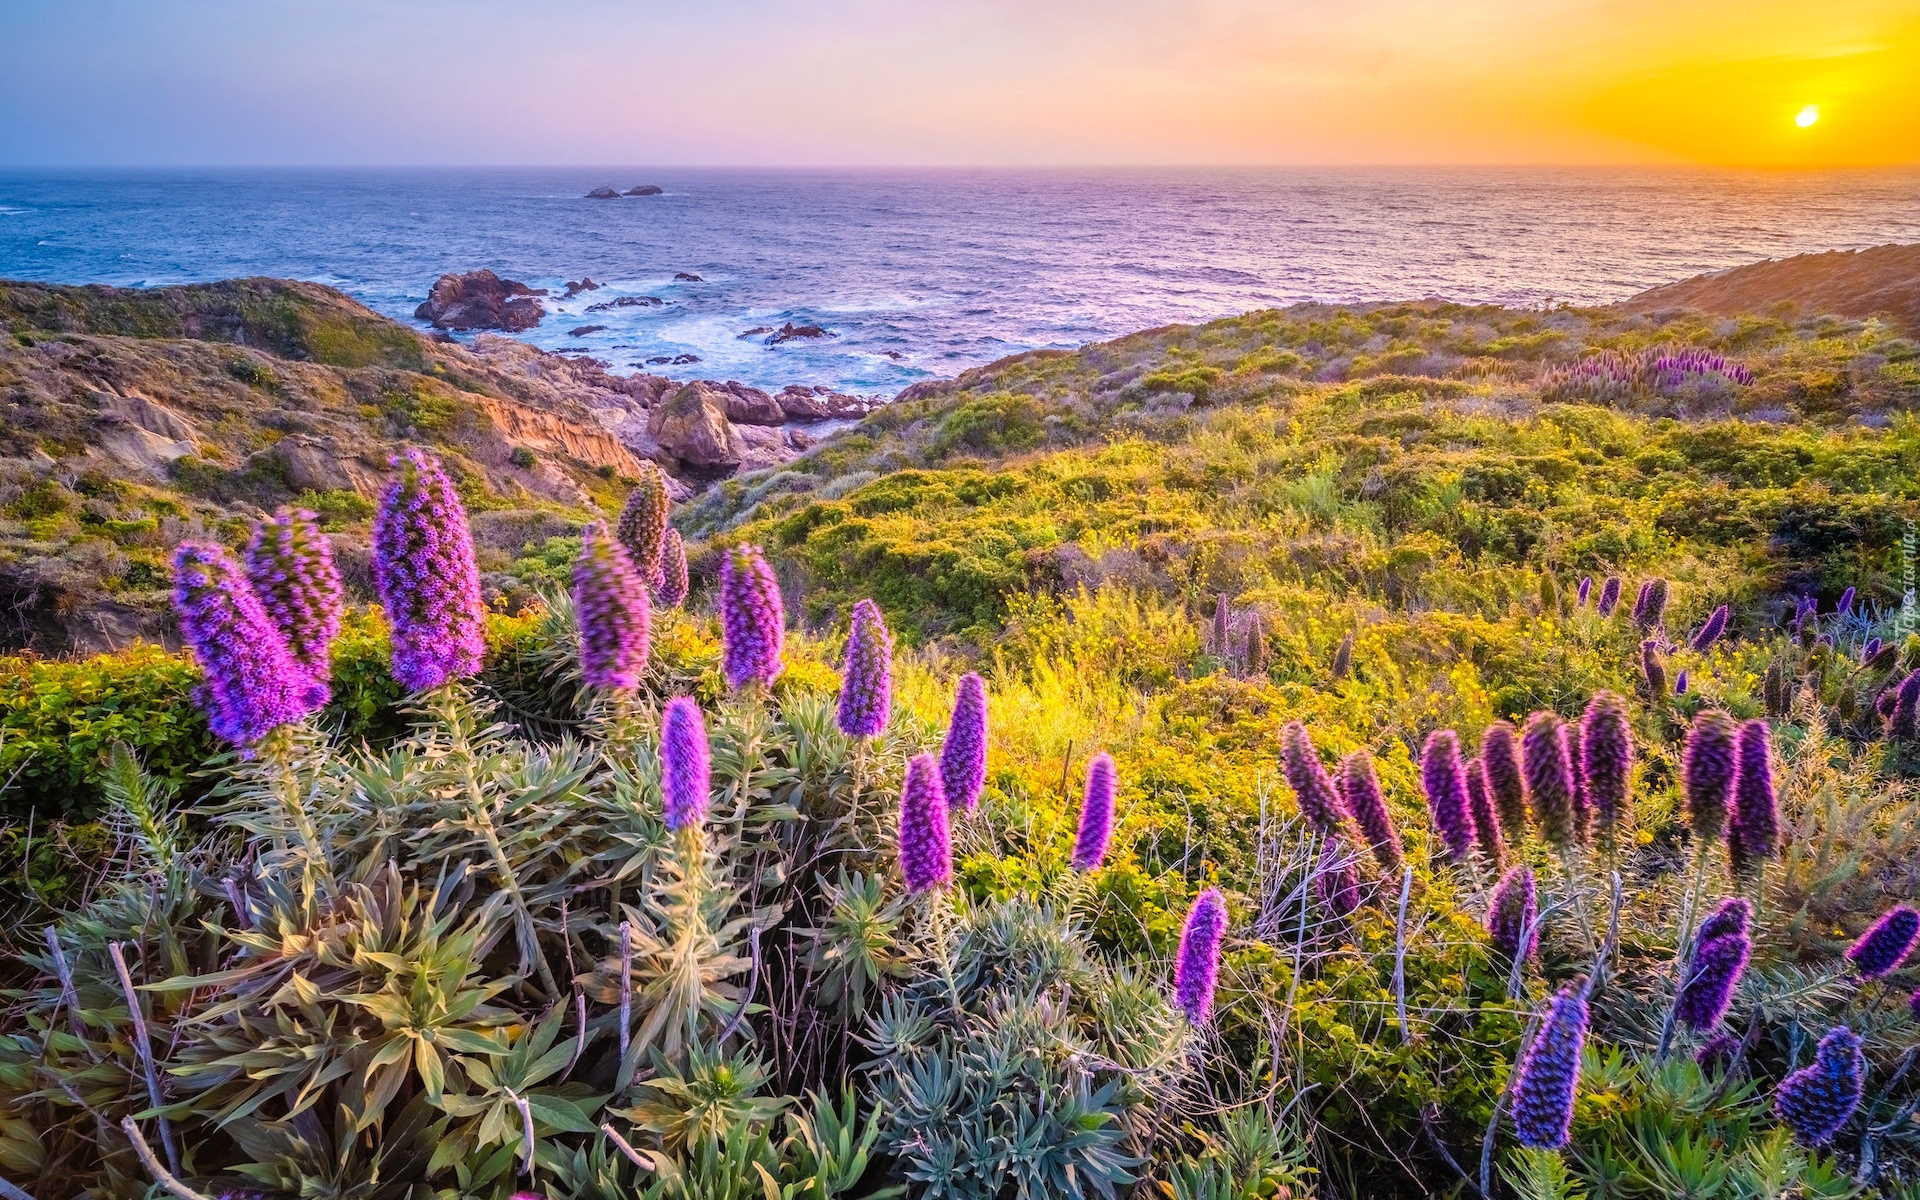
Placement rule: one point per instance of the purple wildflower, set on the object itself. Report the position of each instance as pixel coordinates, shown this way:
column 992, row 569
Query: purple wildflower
column 1096, row 815
column 1511, row 913
column 1651, row 605
column 290, row 564
column 686, row 765
column 1198, row 966
column 672, row 591
column 1710, row 632
column 963, row 759
column 1500, row 763
column 1886, row 943
column 1582, row 808
column 1609, row 596
column 1734, row 915
column 1444, row 779
column 616, row 619
column 643, row 524
column 1549, row 773
column 1486, row 822
column 1846, row 603
column 752, row 619
column 1586, row 589
column 1903, row 719
column 866, row 685
column 1711, row 977
column 926, row 845
column 1337, row 883
column 1653, row 668
column 1548, row 1076
column 1606, row 758
column 1680, row 683
column 1753, row 835
column 1716, row 1053
column 1707, row 763
column 253, row 683
column 1871, row 648
column 1817, row 1100
column 424, row 570
column 1360, row 790
column 1312, row 787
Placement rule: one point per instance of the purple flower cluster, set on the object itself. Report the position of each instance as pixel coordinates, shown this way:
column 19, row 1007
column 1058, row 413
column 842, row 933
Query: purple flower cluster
column 253, row 682
column 1500, row 764
column 424, row 570
column 1709, row 633
column 1845, row 605
column 1707, row 765
column 1511, row 913
column 1096, row 815
column 963, row 758
column 1198, row 966
column 866, row 683
column 1606, row 758
column 1609, row 596
column 1360, row 793
column 1817, row 1101
column 1753, row 834
column 1886, row 943
column 1680, row 683
column 1337, row 883
column 1548, row 1077
column 615, row 617
column 672, row 591
column 1720, row 953
column 1486, row 822
column 1444, row 779
column 1312, row 787
column 1610, row 377
column 686, row 765
column 1548, row 768
column 926, row 843
column 753, row 621
column 1903, row 720
column 643, row 524
column 1586, row 589
column 290, row 565
column 1650, row 607
column 1653, row 669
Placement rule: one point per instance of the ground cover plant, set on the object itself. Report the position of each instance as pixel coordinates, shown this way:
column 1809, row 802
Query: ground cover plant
column 1243, row 761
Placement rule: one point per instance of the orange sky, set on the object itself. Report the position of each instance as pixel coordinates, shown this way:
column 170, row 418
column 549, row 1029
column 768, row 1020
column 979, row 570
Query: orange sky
column 852, row 82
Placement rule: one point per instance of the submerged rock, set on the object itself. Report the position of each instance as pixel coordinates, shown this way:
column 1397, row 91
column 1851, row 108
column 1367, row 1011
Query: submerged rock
column 685, row 277
column 790, row 332
column 585, row 284
column 481, row 300
column 584, row 330
column 627, row 302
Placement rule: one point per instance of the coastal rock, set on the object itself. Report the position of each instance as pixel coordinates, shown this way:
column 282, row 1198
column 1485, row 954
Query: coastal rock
column 926, row 389
column 585, row 284
column 747, row 405
column 681, row 360
column 684, row 277
column 763, row 446
column 691, row 426
column 756, row 331
column 584, row 330
column 646, row 189
column 312, row 464
column 603, row 193
column 802, row 403
column 481, row 300
column 626, row 302
column 790, row 332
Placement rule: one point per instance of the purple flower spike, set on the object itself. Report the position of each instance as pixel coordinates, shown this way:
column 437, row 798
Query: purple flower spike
column 616, row 619
column 866, row 685
column 1586, row 589
column 1707, row 764
column 1913, row 1005
column 753, row 622
column 424, row 570
column 1903, row 721
column 1886, row 943
column 1198, row 967
column 1710, row 632
column 1445, row 780
column 1817, row 1101
column 672, row 592
column 1500, row 763
column 1653, row 668
column 1337, row 883
column 290, row 564
column 1716, row 1053
column 1651, row 606
column 686, row 765
column 1606, row 758
column 1486, row 822
column 926, row 845
column 963, row 759
column 1712, row 976
column 1360, row 791
column 1753, row 835
column 1733, row 916
column 1510, row 915
column 253, row 684
column 1609, row 596
column 643, row 524
column 1548, row 1078
column 1096, row 815
column 1680, row 683
column 1312, row 787
column 1871, row 648
column 1548, row 768
column 1846, row 603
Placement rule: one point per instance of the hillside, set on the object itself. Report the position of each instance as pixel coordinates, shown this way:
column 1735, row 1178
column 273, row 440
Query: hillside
column 1881, row 282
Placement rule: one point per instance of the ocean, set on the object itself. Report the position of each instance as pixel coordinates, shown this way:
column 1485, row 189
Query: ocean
column 923, row 273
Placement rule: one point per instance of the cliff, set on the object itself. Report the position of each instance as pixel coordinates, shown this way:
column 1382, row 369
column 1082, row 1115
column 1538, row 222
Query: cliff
column 1881, row 282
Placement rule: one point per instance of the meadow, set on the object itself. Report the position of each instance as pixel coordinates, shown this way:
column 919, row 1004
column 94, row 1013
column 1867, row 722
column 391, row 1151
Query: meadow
column 1427, row 750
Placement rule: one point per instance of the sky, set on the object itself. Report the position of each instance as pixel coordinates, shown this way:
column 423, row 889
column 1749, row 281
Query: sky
column 961, row 82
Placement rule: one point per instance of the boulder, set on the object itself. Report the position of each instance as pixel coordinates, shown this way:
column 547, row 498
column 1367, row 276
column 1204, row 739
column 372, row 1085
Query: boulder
column 310, row 464
column 627, row 302
column 800, row 404
column 584, row 330
column 748, row 405
column 585, row 284
column 481, row 300
column 646, row 189
column 603, row 193
column 789, row 332
column 691, row 426
column 756, row 331
column 684, row 277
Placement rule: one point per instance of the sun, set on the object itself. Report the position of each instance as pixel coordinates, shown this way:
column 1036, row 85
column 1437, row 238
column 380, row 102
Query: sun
column 1807, row 116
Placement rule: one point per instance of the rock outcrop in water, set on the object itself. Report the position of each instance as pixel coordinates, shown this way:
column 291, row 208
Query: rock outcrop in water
column 1883, row 281
column 481, row 300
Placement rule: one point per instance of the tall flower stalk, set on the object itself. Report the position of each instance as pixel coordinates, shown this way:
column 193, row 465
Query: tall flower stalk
column 290, row 564
column 963, row 756
column 1606, row 762
column 253, row 683
column 423, row 567
column 615, row 616
column 1500, row 763
column 1360, row 791
column 752, row 619
column 1547, row 1079
column 1096, row 815
column 1312, row 787
column 1197, row 968
column 672, row 589
column 1444, row 779
column 866, row 682
column 643, row 524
